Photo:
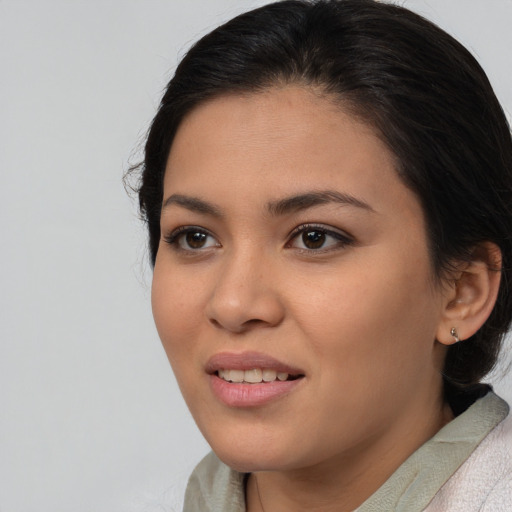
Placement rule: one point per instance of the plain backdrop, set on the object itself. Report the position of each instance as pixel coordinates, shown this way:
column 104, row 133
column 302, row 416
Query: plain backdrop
column 91, row 419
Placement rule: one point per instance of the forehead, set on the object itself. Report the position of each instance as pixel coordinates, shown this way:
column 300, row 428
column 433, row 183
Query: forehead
column 279, row 142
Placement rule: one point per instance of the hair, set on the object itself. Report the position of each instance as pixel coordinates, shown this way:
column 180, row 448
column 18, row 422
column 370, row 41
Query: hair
column 422, row 91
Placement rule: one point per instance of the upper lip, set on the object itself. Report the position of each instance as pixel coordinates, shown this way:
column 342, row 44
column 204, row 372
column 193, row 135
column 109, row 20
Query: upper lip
column 248, row 361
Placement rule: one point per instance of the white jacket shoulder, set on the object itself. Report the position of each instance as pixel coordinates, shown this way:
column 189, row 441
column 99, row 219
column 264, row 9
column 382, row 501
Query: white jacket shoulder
column 484, row 482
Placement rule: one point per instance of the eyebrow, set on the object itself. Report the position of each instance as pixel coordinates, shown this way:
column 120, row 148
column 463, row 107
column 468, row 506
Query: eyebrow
column 308, row 200
column 193, row 204
column 276, row 208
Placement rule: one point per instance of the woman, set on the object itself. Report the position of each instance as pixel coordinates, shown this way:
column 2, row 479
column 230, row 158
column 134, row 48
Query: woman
column 328, row 187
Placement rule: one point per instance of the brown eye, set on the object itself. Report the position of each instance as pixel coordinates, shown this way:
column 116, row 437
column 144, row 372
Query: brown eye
column 195, row 239
column 318, row 239
column 191, row 238
column 313, row 239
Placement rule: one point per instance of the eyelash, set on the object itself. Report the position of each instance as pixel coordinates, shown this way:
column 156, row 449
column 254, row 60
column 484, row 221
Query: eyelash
column 175, row 236
column 341, row 239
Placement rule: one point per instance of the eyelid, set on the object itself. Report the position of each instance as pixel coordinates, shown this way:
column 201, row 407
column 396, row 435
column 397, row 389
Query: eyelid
column 342, row 237
column 173, row 238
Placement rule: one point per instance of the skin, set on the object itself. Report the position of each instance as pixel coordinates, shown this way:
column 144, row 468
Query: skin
column 360, row 316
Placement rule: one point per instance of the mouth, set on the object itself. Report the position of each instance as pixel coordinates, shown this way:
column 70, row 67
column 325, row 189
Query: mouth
column 251, row 379
column 255, row 376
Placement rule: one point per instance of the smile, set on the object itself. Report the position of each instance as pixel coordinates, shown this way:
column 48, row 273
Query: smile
column 254, row 376
column 251, row 379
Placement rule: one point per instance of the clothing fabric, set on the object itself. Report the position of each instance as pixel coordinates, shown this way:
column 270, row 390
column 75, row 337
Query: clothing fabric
column 465, row 467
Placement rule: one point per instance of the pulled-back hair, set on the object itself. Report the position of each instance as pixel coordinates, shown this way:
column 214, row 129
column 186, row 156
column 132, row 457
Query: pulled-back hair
column 422, row 91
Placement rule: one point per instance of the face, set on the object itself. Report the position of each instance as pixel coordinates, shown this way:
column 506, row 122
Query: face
column 293, row 290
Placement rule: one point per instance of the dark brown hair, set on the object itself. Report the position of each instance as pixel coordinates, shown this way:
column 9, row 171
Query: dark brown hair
column 425, row 94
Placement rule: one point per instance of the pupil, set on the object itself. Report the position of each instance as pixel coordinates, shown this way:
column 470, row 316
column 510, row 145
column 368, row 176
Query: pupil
column 313, row 239
column 196, row 240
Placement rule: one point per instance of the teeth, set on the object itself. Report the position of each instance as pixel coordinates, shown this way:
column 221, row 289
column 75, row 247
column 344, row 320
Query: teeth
column 269, row 375
column 236, row 375
column 253, row 376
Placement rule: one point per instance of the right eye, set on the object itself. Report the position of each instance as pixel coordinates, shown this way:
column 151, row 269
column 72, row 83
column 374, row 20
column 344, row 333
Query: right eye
column 190, row 238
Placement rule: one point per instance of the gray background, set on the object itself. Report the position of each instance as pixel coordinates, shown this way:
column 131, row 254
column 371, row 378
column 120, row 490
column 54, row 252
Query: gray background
column 90, row 416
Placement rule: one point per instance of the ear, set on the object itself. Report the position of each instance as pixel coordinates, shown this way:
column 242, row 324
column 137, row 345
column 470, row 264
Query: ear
column 471, row 295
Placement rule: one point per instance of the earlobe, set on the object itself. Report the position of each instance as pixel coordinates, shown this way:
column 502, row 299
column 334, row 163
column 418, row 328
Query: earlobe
column 472, row 295
column 454, row 334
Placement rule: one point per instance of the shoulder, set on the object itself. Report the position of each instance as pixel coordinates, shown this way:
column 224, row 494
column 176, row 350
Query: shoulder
column 214, row 487
column 484, row 481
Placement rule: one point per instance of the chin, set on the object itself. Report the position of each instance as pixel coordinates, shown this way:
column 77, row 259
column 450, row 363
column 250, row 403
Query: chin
column 245, row 463
column 247, row 454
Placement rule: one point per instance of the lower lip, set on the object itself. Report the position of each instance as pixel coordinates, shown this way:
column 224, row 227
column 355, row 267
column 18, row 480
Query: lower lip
column 251, row 395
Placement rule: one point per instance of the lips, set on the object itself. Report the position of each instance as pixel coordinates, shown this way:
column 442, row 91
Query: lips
column 251, row 379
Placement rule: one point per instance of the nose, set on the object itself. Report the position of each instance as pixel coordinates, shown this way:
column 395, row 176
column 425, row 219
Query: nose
column 245, row 296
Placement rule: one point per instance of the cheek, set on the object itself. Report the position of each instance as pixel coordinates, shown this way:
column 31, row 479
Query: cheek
column 175, row 312
column 377, row 312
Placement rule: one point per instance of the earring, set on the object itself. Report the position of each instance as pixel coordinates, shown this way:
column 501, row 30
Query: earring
column 453, row 332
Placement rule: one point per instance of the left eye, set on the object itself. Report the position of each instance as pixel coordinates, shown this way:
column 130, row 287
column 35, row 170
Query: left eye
column 195, row 240
column 314, row 238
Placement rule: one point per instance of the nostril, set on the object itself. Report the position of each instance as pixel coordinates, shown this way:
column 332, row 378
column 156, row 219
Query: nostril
column 242, row 327
column 254, row 322
column 215, row 323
